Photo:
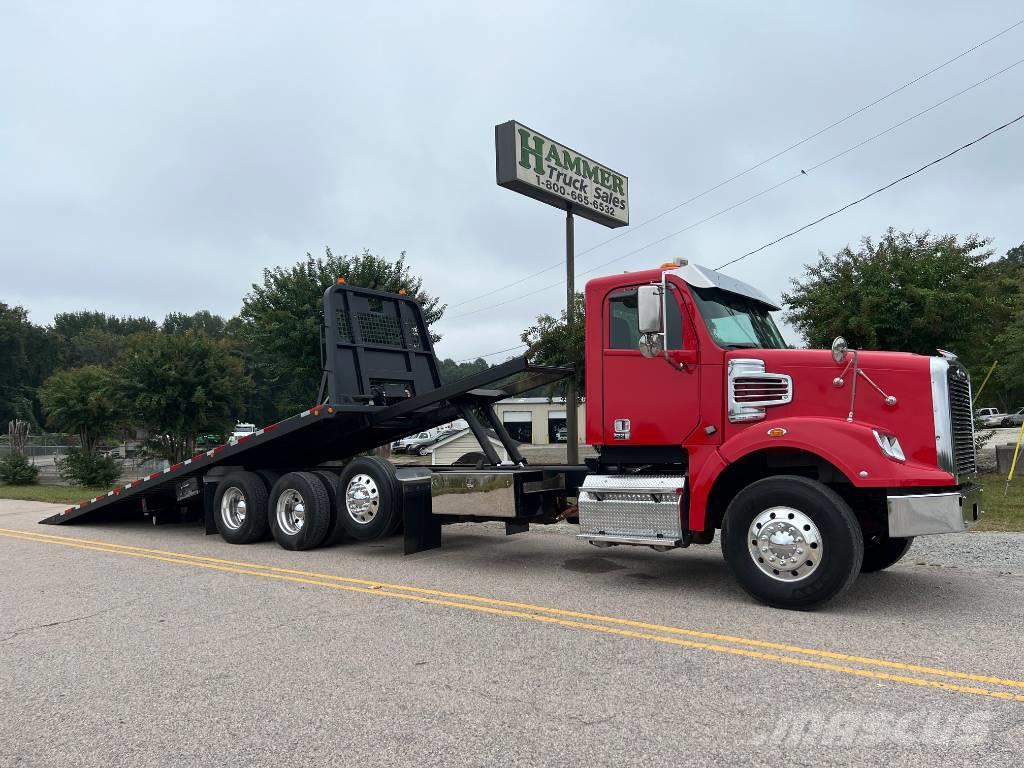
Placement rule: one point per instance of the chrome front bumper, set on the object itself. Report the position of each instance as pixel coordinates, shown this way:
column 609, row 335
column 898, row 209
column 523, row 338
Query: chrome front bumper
column 927, row 513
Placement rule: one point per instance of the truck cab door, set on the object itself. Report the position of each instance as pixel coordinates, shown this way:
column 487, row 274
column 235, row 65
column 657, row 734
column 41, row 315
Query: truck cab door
column 647, row 401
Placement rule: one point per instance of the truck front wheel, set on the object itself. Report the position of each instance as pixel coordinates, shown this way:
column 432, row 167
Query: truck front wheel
column 792, row 542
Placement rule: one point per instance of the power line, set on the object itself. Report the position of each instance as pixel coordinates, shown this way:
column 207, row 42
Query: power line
column 872, row 194
column 826, row 216
column 756, row 195
column 754, row 167
column 490, row 354
column 917, row 115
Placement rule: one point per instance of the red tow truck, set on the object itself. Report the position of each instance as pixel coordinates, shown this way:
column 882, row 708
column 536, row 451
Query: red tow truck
column 814, row 465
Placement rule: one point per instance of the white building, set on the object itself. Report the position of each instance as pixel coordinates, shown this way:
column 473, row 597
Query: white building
column 454, row 447
column 537, row 420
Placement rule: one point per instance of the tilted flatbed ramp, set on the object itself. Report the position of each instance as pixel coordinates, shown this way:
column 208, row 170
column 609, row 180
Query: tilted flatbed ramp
column 368, row 375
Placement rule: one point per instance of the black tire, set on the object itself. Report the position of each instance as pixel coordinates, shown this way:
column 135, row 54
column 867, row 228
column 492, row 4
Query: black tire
column 883, row 551
column 821, row 514
column 310, row 529
column 335, row 532
column 236, row 525
column 382, row 513
column 471, row 459
column 269, row 477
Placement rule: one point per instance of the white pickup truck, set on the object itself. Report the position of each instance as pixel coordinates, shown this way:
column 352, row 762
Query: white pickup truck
column 989, row 417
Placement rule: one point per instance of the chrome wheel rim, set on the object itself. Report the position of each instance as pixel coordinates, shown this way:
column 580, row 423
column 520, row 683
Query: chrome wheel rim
column 290, row 511
column 784, row 544
column 233, row 508
column 362, row 499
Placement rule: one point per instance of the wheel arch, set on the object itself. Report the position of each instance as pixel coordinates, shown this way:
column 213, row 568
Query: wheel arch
column 768, row 462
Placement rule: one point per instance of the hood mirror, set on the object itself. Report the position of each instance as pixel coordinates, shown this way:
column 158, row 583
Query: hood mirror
column 651, row 345
column 839, row 349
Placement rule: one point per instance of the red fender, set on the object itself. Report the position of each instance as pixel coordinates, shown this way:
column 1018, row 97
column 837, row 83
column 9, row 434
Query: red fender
column 850, row 447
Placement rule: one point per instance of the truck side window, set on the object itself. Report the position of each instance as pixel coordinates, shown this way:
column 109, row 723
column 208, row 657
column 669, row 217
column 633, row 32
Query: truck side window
column 624, row 320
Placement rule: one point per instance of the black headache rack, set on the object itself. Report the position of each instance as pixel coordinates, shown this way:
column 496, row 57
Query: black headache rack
column 381, row 383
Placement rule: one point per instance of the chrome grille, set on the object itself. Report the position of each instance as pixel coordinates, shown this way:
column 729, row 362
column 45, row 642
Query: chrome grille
column 751, row 389
column 761, row 389
column 962, row 420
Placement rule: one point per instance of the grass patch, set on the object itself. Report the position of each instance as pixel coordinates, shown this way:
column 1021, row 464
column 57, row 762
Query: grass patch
column 53, row 494
column 1002, row 513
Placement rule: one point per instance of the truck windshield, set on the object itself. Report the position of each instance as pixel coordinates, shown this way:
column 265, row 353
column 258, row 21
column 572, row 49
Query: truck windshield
column 736, row 322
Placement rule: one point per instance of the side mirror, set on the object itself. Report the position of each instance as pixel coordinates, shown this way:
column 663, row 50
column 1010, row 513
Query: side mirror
column 649, row 306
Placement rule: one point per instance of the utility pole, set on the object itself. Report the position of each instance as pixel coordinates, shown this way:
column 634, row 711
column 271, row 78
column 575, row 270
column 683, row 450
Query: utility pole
column 572, row 428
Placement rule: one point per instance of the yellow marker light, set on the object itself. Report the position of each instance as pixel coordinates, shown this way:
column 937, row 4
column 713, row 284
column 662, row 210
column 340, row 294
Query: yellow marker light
column 776, row 432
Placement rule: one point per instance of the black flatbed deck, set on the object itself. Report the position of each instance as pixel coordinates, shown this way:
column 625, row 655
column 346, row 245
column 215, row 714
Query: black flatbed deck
column 328, row 432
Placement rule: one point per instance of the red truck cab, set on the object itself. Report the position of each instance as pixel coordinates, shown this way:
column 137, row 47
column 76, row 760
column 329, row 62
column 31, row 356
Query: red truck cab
column 814, row 464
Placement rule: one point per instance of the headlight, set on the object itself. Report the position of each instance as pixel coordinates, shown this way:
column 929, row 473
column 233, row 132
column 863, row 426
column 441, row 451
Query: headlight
column 890, row 446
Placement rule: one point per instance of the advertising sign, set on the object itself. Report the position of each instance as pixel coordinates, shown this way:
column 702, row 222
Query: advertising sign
column 534, row 165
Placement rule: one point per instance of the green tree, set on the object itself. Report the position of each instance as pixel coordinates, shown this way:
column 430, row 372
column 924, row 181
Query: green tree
column 94, row 338
column 279, row 324
column 13, row 360
column 452, row 371
column 551, row 341
column 1006, row 343
column 72, row 324
column 1015, row 255
column 78, row 401
column 179, row 386
column 89, row 469
column 27, row 357
column 910, row 291
column 203, row 320
column 93, row 346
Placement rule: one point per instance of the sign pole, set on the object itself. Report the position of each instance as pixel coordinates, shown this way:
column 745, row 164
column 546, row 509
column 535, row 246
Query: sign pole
column 537, row 166
column 571, row 422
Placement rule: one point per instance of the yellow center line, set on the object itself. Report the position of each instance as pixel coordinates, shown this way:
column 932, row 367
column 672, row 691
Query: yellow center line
column 537, row 613
column 742, row 641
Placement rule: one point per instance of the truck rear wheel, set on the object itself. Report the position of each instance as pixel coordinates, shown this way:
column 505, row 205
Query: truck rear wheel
column 883, row 551
column 792, row 542
column 368, row 499
column 300, row 511
column 335, row 531
column 240, row 508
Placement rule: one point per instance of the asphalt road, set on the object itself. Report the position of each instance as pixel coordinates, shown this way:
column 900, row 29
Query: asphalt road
column 139, row 646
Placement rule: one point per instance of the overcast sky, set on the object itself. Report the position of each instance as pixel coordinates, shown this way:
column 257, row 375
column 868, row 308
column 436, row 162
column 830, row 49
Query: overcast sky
column 156, row 158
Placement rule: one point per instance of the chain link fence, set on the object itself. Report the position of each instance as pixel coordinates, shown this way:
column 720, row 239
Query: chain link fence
column 44, row 451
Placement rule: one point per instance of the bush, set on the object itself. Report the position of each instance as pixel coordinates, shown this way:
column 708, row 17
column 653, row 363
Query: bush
column 18, row 470
column 82, row 468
